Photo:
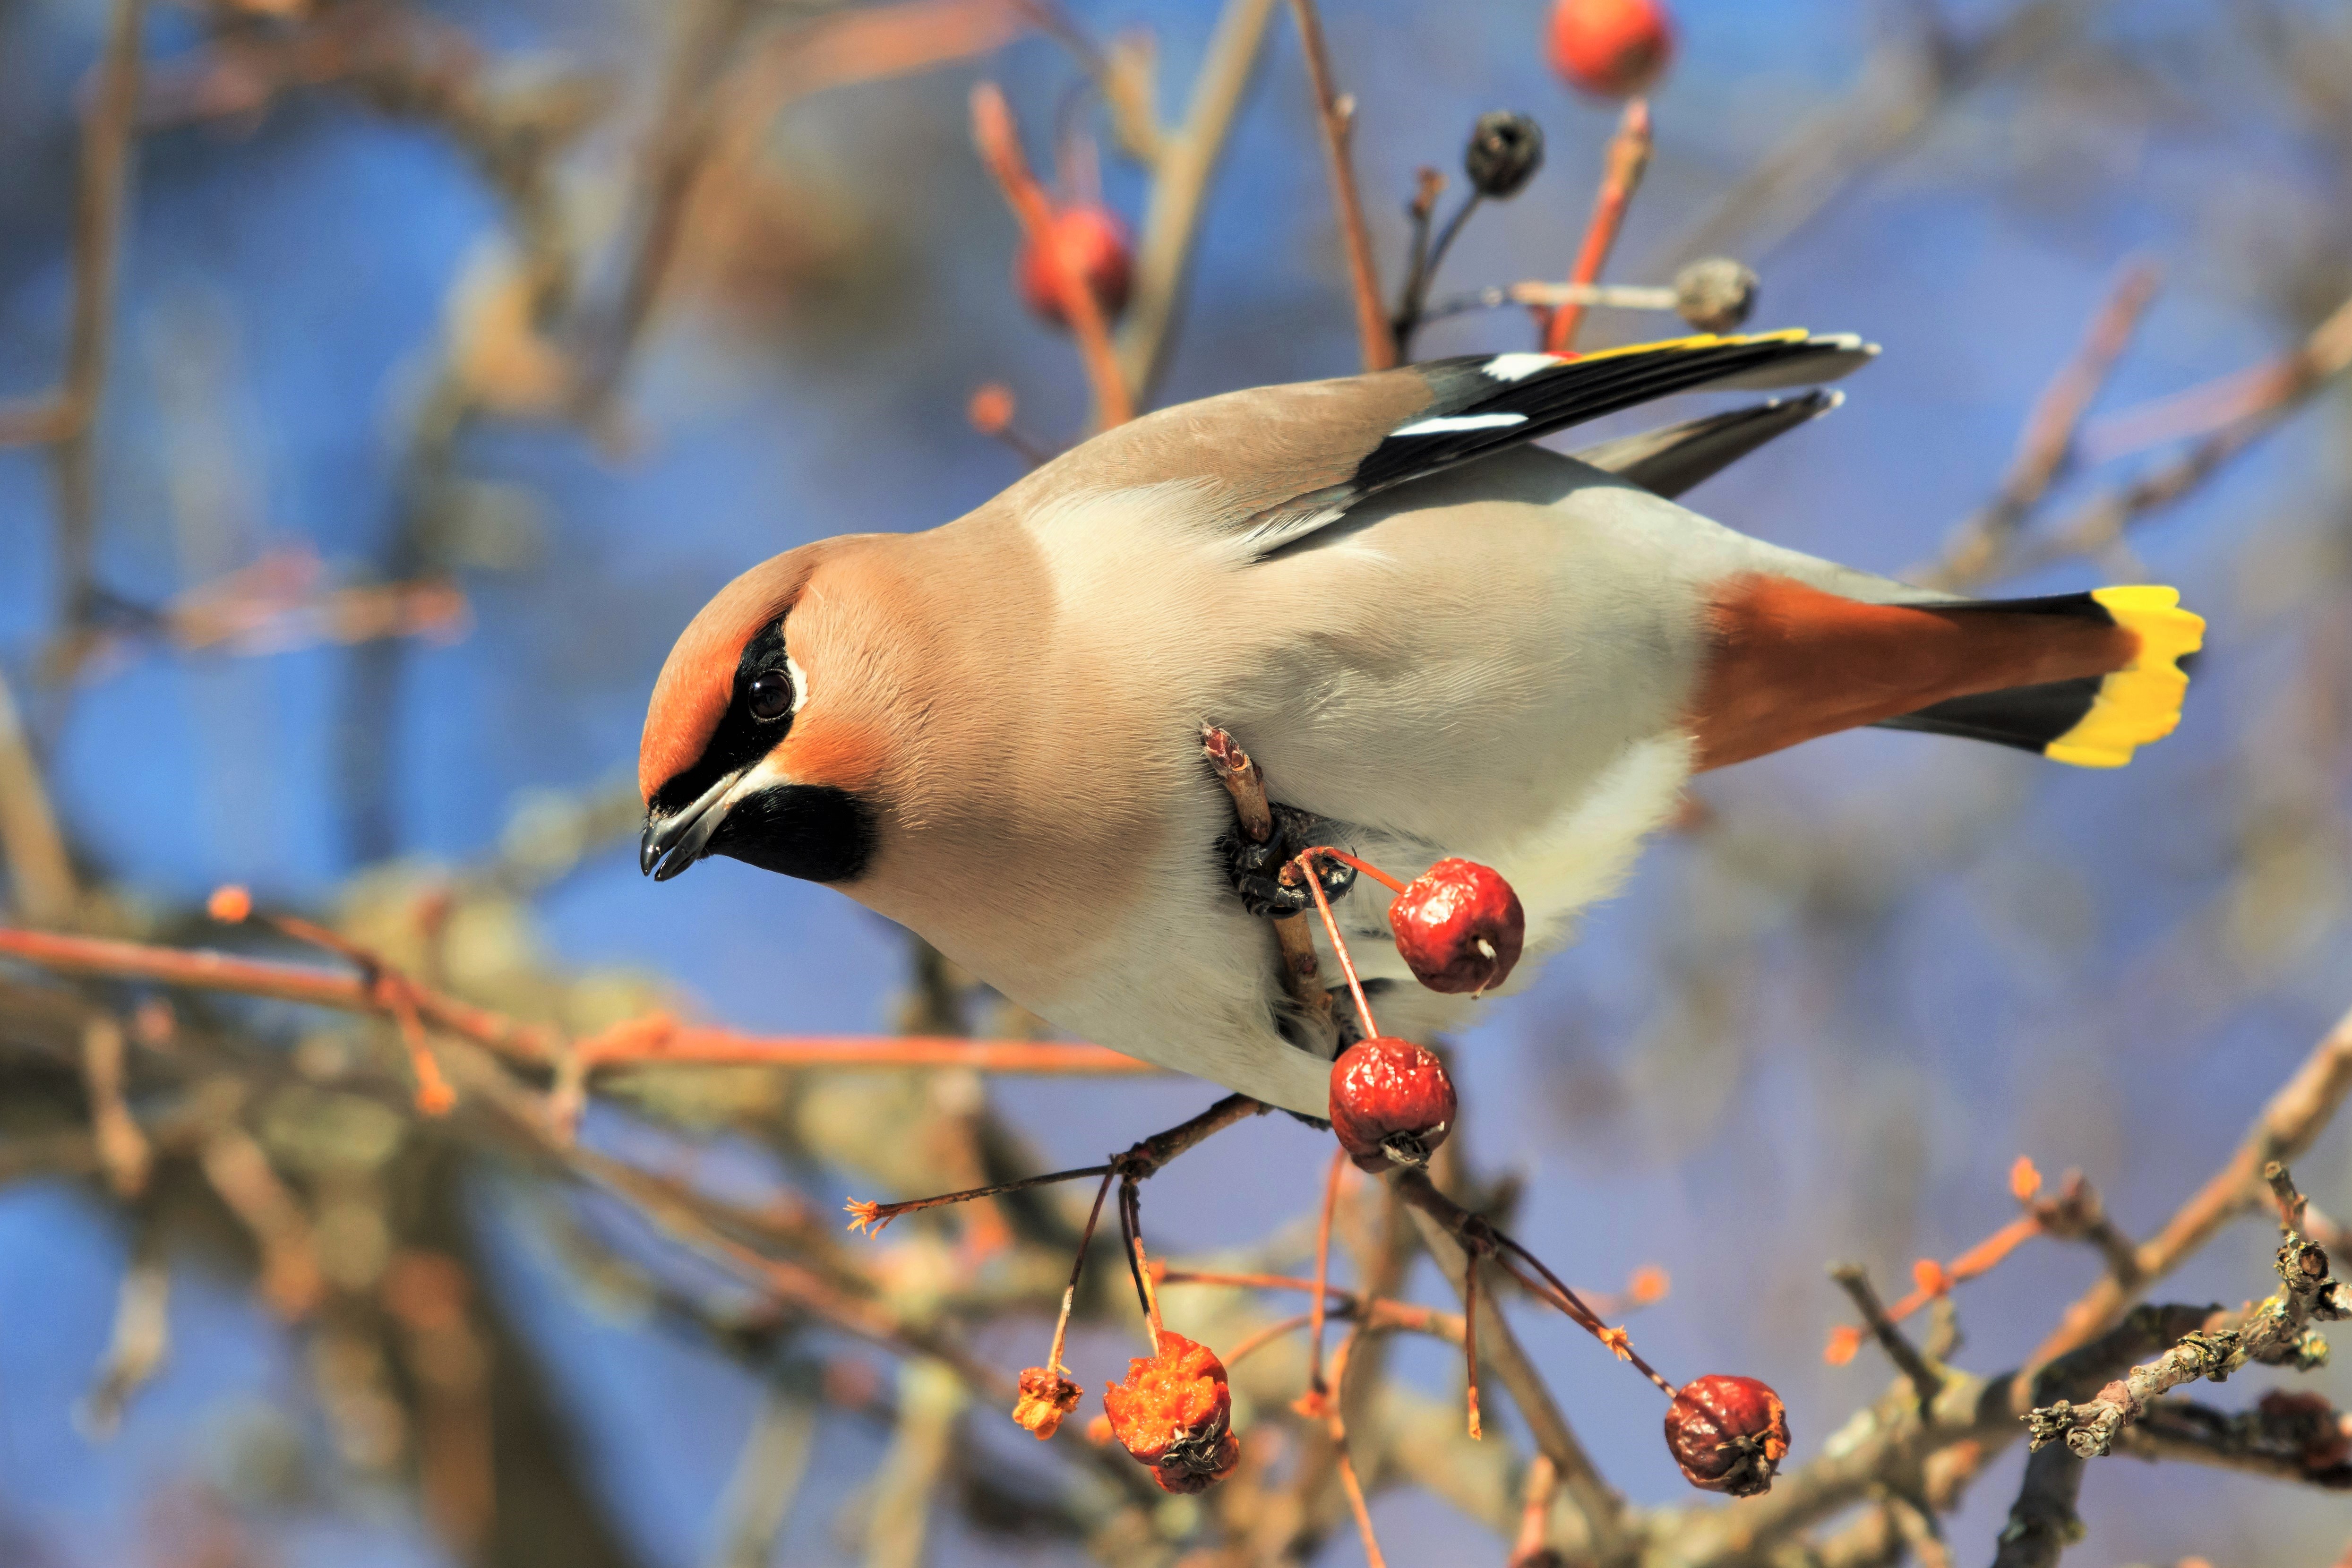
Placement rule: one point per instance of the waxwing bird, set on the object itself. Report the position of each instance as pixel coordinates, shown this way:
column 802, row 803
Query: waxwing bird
column 1433, row 637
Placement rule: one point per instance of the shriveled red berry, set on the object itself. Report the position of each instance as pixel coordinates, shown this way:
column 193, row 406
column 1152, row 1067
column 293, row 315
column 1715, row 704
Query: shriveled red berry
column 1174, row 1413
column 1459, row 926
column 1094, row 243
column 1391, row 1102
column 1613, row 47
column 1729, row 1434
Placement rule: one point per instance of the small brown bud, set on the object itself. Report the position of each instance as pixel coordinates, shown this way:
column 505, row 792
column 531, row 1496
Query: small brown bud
column 1716, row 294
column 1729, row 1434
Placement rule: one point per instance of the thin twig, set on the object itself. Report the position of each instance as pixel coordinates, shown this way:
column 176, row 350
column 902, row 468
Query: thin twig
column 1337, row 115
column 2047, row 443
column 1182, row 171
column 1600, row 1505
column 102, row 178
column 40, row 874
column 993, row 132
column 2101, row 524
column 655, row 1041
column 1322, row 1284
column 2285, row 1128
column 1925, row 1379
column 1336, row 1423
column 1628, row 159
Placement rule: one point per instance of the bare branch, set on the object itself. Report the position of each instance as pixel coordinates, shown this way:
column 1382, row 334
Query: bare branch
column 1336, row 114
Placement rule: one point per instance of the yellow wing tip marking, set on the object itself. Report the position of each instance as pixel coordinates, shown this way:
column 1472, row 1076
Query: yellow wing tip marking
column 1700, row 340
column 2140, row 702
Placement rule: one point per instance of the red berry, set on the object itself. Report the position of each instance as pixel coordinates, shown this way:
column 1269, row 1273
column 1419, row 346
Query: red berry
column 1094, row 242
column 1459, row 926
column 1174, row 1413
column 1612, row 47
column 1391, row 1102
column 1729, row 1434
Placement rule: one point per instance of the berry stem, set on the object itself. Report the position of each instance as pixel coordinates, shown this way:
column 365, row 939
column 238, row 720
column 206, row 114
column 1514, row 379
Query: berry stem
column 1367, row 867
column 1131, row 1223
column 1077, row 1267
column 1470, row 1337
column 1336, row 1423
column 871, row 1217
column 1305, row 864
column 1322, row 1272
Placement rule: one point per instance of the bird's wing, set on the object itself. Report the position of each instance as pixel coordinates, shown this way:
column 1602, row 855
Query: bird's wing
column 1272, row 466
column 1668, row 461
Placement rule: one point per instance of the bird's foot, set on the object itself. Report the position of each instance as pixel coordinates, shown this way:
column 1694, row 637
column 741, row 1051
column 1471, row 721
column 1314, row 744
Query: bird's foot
column 1255, row 870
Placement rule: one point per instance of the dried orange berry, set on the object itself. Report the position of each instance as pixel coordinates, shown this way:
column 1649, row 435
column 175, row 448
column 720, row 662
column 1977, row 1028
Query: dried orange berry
column 1391, row 1102
column 1174, row 1412
column 1459, row 926
column 1729, row 1434
column 1045, row 1397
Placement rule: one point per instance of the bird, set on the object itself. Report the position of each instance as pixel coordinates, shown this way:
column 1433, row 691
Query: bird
column 1435, row 638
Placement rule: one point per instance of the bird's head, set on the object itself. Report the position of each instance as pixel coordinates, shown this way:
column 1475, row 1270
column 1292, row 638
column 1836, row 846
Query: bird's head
column 767, row 736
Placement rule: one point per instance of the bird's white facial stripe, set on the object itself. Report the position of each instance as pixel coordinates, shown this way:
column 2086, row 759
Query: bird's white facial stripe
column 1519, row 367
column 800, row 682
column 1459, row 422
column 764, row 774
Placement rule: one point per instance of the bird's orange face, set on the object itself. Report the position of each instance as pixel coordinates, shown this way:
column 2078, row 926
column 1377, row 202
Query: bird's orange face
column 753, row 746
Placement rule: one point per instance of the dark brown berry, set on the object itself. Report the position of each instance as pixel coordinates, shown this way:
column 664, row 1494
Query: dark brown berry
column 1612, row 47
column 1729, row 1434
column 1505, row 152
column 1391, row 1102
column 1459, row 926
column 1094, row 244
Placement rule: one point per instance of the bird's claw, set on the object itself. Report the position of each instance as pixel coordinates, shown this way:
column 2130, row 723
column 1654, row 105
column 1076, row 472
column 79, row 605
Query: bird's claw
column 1255, row 870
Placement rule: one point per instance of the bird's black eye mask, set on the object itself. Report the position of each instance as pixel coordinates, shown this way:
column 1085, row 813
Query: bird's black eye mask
column 759, row 715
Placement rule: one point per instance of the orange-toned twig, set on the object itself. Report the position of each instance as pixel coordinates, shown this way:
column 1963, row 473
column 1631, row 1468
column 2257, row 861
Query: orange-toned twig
column 1628, row 159
column 1322, row 1285
column 655, row 1041
column 1470, row 1339
column 2047, row 444
column 1077, row 1268
column 1336, row 114
column 999, row 142
column 1335, row 1422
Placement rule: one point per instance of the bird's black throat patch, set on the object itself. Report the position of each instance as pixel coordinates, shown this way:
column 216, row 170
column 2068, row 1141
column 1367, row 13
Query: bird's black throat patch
column 813, row 831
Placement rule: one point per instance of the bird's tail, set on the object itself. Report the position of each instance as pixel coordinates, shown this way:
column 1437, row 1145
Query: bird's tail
column 2092, row 721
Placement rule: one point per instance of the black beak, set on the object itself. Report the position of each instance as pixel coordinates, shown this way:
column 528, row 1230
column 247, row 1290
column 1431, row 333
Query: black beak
column 676, row 842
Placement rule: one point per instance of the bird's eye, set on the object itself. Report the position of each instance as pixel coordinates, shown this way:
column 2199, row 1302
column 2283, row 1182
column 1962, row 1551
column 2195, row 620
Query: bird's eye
column 770, row 695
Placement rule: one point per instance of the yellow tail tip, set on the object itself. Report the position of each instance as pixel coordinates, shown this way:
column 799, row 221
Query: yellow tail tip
column 2140, row 702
